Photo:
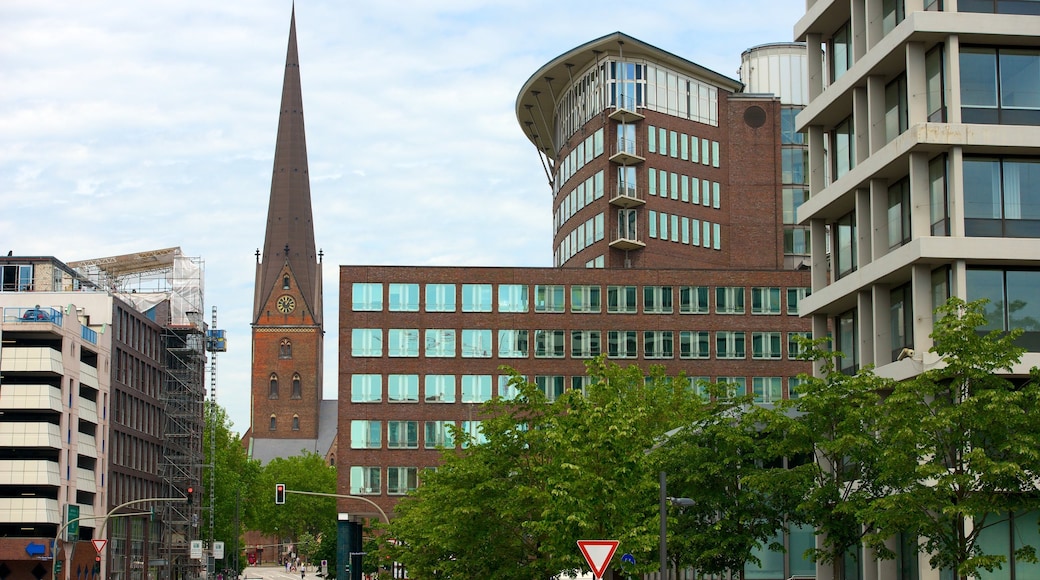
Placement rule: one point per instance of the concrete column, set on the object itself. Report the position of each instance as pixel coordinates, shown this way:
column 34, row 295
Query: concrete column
column 861, row 123
column 916, row 84
column 814, row 63
column 820, row 271
column 878, row 217
column 817, row 159
column 882, row 304
column 876, row 136
column 865, row 329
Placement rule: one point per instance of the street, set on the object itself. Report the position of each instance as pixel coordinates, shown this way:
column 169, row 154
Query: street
column 274, row 572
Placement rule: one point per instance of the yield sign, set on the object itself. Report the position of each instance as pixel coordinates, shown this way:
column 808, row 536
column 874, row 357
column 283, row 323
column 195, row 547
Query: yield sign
column 99, row 545
column 598, row 554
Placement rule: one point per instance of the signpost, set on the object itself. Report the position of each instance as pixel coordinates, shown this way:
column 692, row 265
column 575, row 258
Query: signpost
column 598, row 554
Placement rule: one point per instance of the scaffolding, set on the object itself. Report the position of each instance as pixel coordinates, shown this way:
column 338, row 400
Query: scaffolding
column 168, row 287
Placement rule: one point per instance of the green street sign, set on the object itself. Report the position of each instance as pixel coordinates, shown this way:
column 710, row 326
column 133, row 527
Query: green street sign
column 72, row 519
column 57, row 566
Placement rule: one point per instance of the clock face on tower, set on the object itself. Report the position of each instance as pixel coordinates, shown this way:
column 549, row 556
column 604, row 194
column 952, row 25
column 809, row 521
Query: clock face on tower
column 286, row 304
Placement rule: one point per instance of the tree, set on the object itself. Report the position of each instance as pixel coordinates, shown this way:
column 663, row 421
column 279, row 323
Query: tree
column 235, row 473
column 301, row 513
column 834, row 429
column 960, row 446
column 728, row 459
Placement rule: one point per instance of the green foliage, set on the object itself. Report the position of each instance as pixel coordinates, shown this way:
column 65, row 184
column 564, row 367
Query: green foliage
column 235, row 476
column 307, row 472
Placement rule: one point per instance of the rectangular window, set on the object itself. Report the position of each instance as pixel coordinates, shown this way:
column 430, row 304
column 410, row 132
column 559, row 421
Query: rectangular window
column 549, row 298
column 364, row 480
column 675, row 228
column 901, row 319
column 716, row 238
column 622, row 344
column 729, row 344
column 549, row 344
column 765, row 300
column 476, row 388
column 366, row 342
column 658, row 344
column 684, row 147
column 705, row 151
column 716, row 195
column 440, row 342
column 840, row 51
column 507, row 390
column 715, row 160
column 476, row 297
column 1000, row 85
column 651, row 139
column 651, row 181
column 586, row 343
column 366, row 434
column 440, row 298
column 845, row 242
column 366, row 388
column 767, row 389
column 366, row 297
column 476, row 343
column 439, row 389
column 402, row 434
column 673, row 147
column 512, row 344
column 404, row 297
column 473, row 433
column 402, row 388
column 766, row 346
column 896, row 111
column 788, row 134
column 657, row 299
column 694, row 344
column 939, row 208
column 512, row 298
column 664, row 226
column 795, row 385
column 551, row 385
column 626, row 182
column 729, row 300
column 1002, row 197
column 735, row 386
column 652, row 221
column 685, row 229
column 403, row 342
column 585, row 298
column 694, row 149
column 693, row 300
column 794, row 347
column 621, row 299
column 899, row 213
column 794, row 296
column 935, row 98
column 401, row 480
column 845, row 325
column 843, row 143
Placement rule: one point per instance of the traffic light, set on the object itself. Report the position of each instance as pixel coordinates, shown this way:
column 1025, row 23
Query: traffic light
column 279, row 493
column 151, row 515
column 97, row 564
column 191, row 493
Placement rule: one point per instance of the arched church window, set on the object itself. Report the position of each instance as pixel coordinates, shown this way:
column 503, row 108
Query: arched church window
column 274, row 423
column 285, row 282
column 297, row 389
column 273, row 392
column 295, row 422
column 285, row 348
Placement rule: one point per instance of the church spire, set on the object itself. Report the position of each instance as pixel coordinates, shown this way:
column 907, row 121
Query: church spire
column 290, row 226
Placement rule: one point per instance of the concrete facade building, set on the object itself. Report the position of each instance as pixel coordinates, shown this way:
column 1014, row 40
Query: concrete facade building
column 924, row 160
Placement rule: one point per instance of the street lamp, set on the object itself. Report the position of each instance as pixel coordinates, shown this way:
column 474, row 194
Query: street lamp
column 665, row 500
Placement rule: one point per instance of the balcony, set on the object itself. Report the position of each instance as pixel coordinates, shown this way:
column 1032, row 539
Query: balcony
column 626, row 241
column 626, row 110
column 33, row 314
column 626, row 152
column 626, row 196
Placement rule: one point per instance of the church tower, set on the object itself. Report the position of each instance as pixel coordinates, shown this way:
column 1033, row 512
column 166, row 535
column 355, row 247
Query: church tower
column 287, row 306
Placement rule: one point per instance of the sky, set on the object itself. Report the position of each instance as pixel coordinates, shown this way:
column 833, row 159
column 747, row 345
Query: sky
column 128, row 126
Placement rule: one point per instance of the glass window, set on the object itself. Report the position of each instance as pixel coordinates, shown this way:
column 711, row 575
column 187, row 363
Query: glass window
column 651, row 139
column 366, row 297
column 366, row 388
column 794, row 296
column 622, row 344
column 892, row 13
column 366, row 342
column 507, row 390
column 844, row 146
column 440, row 388
column 841, row 51
column 272, row 391
column 402, row 388
column 896, row 113
column 512, row 298
column 729, row 300
column 440, row 342
column 766, row 345
column 767, row 389
column 735, row 386
column 1012, row 303
column 476, row 388
column 1002, row 197
column 794, row 347
column 765, row 300
column 788, row 135
column 401, row 480
column 476, row 297
column 438, row 434
column 901, row 319
column 657, row 299
column 404, row 297
column 585, row 298
column 297, row 387
column 440, row 298
column 549, row 344
column 548, row 298
column 512, row 344
column 694, row 344
column 1000, row 85
column 658, row 344
column 473, row 430
column 621, row 299
column 552, row 386
column 935, row 98
column 476, row 343
column 403, row 342
column 715, row 157
column 586, row 343
column 364, row 480
column 937, row 198
column 402, row 434
column 285, row 348
column 366, row 434
column 729, row 344
column 845, row 241
column 693, row 300
column 845, row 324
column 899, row 213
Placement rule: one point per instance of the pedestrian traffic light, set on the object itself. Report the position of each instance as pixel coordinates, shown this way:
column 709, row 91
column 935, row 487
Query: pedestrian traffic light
column 279, row 493
column 191, row 493
column 97, row 564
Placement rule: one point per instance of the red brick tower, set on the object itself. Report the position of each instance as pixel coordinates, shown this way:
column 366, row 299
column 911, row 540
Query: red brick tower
column 287, row 306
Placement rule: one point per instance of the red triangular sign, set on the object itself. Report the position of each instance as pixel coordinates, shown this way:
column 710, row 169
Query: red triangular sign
column 99, row 545
column 598, row 554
